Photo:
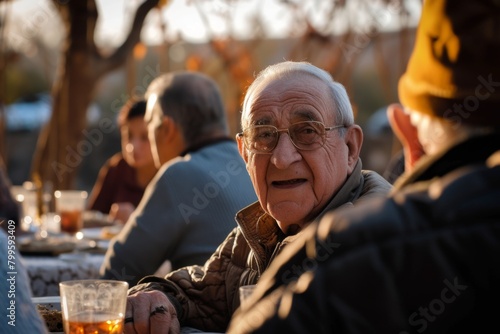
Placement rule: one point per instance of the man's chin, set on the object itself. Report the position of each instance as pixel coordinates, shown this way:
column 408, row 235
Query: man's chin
column 288, row 212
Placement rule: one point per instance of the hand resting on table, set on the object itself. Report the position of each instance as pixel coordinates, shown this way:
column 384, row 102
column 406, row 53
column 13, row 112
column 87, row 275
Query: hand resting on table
column 150, row 312
column 121, row 211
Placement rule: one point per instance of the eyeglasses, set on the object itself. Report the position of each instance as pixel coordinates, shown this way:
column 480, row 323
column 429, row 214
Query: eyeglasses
column 307, row 136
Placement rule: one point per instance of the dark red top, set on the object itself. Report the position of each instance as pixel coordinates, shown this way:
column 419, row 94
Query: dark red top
column 117, row 182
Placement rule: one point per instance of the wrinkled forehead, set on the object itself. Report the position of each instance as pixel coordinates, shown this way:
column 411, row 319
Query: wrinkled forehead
column 291, row 93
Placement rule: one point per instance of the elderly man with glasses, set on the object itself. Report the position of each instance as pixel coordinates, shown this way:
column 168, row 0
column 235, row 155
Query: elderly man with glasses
column 301, row 149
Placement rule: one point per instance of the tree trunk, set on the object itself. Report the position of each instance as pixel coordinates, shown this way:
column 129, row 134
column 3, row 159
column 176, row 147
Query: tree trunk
column 64, row 142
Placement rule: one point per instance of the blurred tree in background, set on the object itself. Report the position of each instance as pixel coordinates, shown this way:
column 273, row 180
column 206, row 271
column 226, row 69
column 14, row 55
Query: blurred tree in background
column 59, row 148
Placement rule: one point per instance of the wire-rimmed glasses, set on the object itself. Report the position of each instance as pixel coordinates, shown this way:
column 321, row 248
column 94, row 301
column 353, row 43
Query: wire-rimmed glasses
column 306, row 136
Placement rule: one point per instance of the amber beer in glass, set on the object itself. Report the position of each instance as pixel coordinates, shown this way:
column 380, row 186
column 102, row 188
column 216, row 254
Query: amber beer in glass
column 69, row 206
column 96, row 324
column 93, row 306
column 71, row 221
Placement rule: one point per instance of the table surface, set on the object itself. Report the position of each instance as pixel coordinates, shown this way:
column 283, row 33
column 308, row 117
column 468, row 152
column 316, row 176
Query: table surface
column 45, row 272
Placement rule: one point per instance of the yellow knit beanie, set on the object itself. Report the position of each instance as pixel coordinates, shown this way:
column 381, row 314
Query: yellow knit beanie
column 454, row 70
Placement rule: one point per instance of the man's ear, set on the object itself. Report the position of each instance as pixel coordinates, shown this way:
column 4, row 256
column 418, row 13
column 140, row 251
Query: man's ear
column 406, row 133
column 172, row 138
column 241, row 147
column 171, row 130
column 167, row 126
column 353, row 140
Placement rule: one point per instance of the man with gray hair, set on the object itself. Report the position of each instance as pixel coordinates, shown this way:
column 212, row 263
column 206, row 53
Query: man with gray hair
column 301, row 148
column 189, row 206
column 425, row 259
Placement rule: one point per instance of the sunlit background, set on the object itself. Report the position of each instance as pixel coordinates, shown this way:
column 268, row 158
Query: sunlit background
column 365, row 44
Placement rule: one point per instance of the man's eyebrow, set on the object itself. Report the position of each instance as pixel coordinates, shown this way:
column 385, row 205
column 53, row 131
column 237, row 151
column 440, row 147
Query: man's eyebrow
column 304, row 115
column 260, row 121
column 299, row 115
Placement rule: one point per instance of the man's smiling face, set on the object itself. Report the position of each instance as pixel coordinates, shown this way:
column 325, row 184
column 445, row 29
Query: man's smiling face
column 295, row 185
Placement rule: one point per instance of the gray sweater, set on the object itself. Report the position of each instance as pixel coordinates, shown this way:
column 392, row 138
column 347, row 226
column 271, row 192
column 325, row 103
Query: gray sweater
column 186, row 212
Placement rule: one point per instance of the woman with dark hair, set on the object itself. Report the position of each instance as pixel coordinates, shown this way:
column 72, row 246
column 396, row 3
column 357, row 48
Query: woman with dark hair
column 124, row 177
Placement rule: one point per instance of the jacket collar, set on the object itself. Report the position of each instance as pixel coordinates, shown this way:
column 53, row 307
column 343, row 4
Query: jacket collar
column 261, row 230
column 475, row 149
column 208, row 142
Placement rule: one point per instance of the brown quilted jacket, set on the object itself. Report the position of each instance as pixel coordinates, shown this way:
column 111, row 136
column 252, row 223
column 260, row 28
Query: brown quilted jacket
column 206, row 296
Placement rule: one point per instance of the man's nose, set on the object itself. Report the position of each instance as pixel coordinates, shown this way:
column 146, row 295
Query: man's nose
column 285, row 153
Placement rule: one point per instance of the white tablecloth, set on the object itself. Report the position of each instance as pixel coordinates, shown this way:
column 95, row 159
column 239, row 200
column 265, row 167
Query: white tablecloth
column 46, row 272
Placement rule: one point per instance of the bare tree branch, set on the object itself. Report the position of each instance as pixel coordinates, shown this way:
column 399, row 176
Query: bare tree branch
column 120, row 55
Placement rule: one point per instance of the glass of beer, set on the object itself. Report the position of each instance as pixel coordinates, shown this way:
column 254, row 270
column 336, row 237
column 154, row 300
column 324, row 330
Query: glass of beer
column 69, row 206
column 93, row 306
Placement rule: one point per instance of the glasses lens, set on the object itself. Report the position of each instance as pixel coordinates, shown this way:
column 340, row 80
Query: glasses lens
column 307, row 135
column 261, row 138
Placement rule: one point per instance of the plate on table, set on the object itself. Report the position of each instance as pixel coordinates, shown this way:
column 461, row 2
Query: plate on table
column 93, row 219
column 50, row 311
column 110, row 232
column 52, row 246
column 102, row 233
column 47, row 246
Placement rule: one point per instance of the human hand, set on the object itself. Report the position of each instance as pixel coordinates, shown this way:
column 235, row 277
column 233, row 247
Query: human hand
column 150, row 312
column 121, row 211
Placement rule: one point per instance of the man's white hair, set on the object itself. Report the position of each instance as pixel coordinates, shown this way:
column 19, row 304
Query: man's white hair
column 342, row 105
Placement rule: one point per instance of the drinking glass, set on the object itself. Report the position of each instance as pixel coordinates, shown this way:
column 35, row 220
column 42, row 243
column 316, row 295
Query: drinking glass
column 69, row 206
column 245, row 292
column 93, row 306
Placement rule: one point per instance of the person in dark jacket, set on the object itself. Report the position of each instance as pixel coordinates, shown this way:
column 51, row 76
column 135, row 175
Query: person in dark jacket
column 425, row 259
column 301, row 149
